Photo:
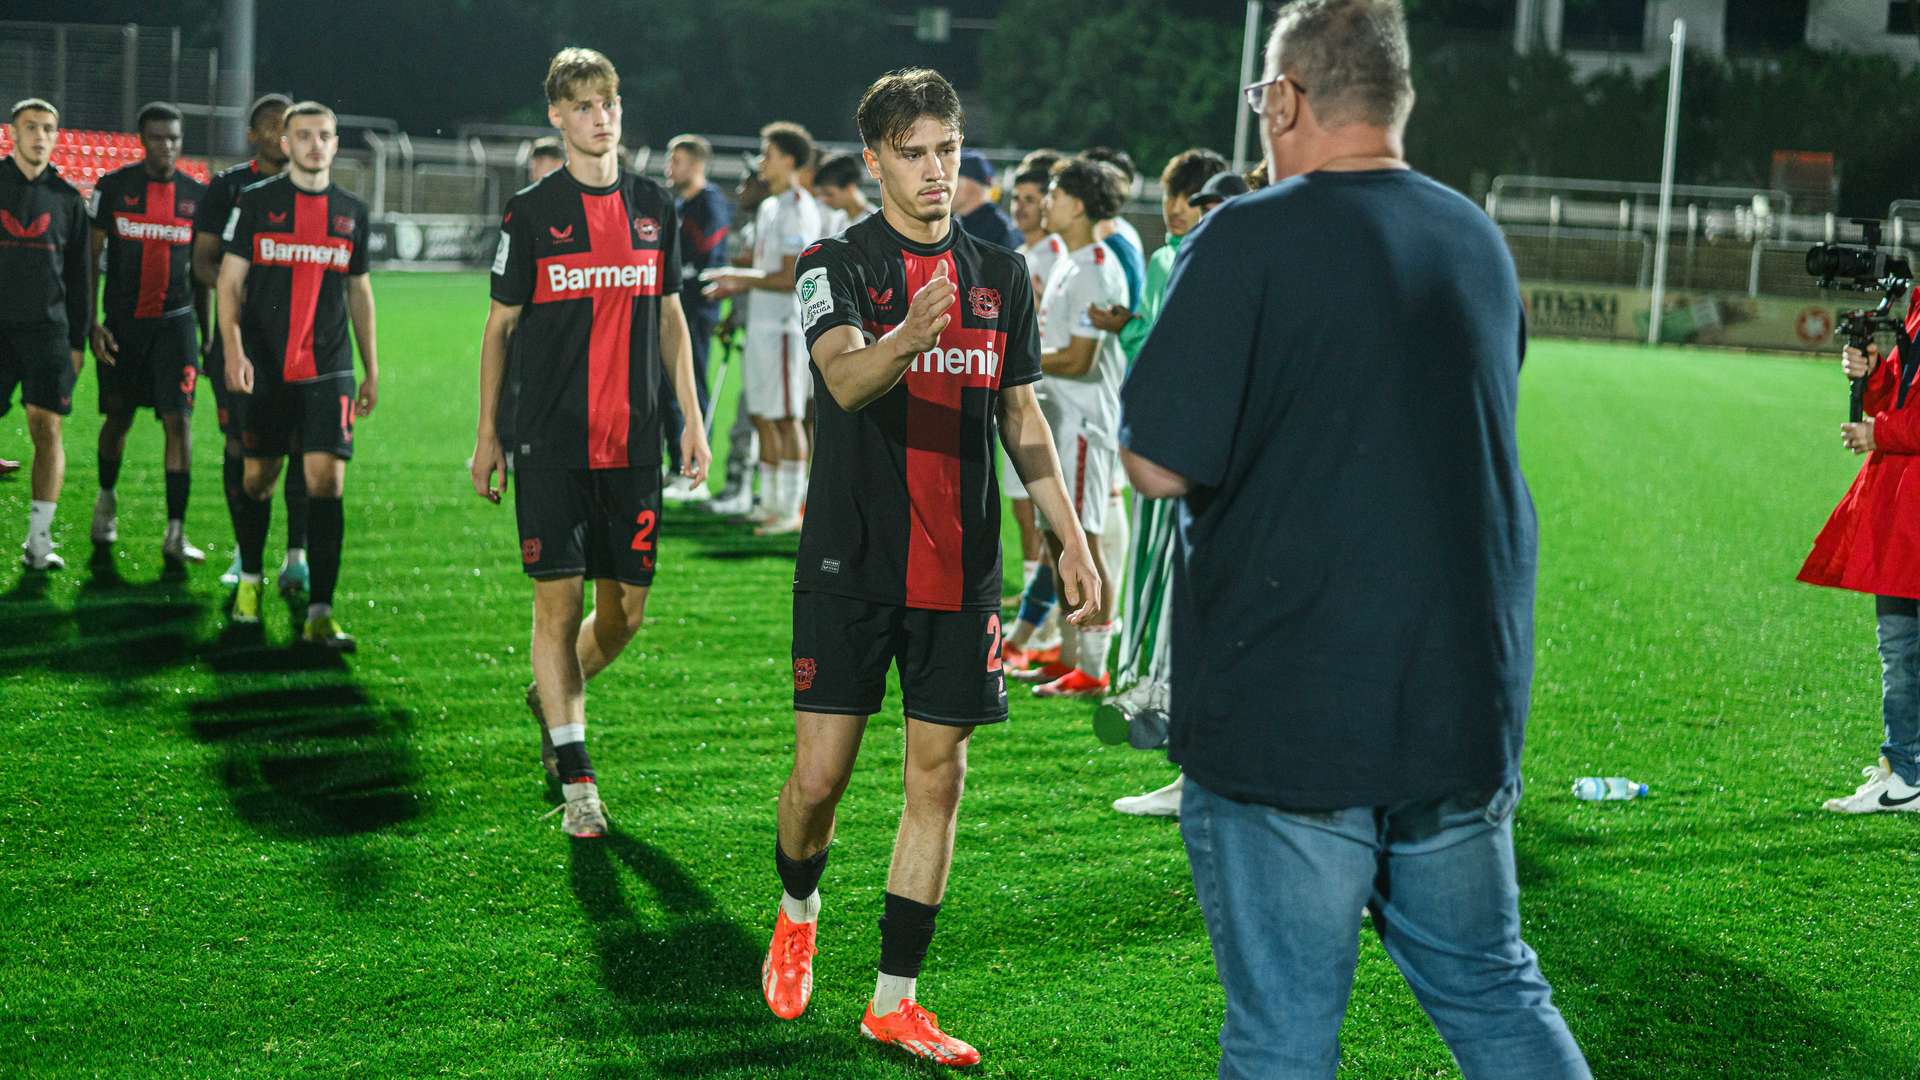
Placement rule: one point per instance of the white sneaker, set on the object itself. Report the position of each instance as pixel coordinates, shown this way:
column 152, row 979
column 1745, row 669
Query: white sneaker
column 106, row 524
column 786, row 526
column 684, row 490
column 584, row 817
column 740, row 502
column 175, row 548
column 37, row 554
column 1883, row 791
column 1162, row 803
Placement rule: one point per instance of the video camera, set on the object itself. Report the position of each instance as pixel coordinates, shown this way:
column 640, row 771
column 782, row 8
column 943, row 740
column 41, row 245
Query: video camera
column 1862, row 269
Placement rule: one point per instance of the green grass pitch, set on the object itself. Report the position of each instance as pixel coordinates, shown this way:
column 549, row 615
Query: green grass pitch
column 219, row 858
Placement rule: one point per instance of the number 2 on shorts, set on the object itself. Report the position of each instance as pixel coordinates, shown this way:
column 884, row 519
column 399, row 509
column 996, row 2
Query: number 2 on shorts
column 643, row 530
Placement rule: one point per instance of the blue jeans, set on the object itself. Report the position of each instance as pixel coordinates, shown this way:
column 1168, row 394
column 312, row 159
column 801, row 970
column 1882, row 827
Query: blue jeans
column 1282, row 892
column 1899, row 623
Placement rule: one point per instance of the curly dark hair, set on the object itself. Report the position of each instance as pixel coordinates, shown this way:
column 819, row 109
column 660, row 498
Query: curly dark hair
column 1100, row 187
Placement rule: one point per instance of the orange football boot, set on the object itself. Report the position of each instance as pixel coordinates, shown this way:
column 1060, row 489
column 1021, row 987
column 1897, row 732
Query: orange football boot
column 1074, row 684
column 917, row 1031
column 786, row 976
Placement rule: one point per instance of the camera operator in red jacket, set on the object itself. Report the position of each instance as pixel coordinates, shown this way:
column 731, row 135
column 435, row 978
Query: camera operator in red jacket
column 1871, row 544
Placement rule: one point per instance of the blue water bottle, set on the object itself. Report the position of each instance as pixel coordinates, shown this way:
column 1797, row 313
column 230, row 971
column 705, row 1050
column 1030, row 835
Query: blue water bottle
column 1597, row 788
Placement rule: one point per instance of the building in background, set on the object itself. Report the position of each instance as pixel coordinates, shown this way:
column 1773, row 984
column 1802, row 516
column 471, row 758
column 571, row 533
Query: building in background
column 1595, row 35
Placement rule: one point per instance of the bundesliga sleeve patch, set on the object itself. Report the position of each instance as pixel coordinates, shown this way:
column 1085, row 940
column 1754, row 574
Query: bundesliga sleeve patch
column 815, row 295
column 500, row 254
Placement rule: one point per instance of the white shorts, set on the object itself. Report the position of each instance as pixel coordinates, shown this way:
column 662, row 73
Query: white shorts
column 1088, row 463
column 778, row 378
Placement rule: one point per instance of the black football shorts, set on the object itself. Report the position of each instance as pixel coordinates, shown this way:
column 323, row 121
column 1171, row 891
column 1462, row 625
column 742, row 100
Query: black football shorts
column 602, row 524
column 37, row 360
column 299, row 418
column 158, row 366
column 950, row 670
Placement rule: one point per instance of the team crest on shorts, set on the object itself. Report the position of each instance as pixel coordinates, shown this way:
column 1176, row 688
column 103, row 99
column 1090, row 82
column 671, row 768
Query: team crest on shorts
column 804, row 670
column 647, row 229
column 530, row 551
column 985, row 301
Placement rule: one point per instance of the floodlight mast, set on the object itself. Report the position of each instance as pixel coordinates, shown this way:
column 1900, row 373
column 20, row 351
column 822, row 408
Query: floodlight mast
column 1666, row 181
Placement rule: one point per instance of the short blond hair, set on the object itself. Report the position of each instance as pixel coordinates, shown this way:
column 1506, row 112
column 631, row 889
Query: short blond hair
column 575, row 67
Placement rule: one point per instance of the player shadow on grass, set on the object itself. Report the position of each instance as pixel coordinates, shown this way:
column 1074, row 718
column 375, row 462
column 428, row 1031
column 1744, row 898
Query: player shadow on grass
column 34, row 628
column 305, row 752
column 692, row 969
column 1636, row 994
column 128, row 629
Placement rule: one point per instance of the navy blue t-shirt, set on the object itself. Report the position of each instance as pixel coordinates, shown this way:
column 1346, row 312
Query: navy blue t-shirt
column 705, row 221
column 1335, row 371
column 990, row 223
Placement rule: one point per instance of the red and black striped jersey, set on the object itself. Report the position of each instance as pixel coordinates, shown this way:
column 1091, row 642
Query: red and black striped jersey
column 904, row 504
column 301, row 246
column 222, row 192
column 589, row 268
column 148, row 224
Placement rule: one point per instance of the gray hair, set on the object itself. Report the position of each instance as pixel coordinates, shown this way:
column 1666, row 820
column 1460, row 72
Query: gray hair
column 1350, row 55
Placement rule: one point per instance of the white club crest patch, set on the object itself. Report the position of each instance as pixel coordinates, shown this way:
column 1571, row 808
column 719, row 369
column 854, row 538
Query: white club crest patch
column 815, row 296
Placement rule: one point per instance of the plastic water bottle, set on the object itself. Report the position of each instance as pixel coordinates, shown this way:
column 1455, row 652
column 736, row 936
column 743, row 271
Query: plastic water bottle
column 1595, row 788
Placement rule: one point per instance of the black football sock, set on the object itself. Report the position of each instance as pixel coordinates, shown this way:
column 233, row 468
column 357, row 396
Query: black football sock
column 109, row 472
column 297, row 511
column 233, row 472
column 906, row 929
column 575, row 766
column 799, row 877
column 250, row 521
column 179, row 484
column 327, row 529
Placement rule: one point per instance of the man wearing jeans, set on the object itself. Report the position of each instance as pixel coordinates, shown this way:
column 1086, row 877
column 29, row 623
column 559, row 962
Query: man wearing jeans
column 1330, row 391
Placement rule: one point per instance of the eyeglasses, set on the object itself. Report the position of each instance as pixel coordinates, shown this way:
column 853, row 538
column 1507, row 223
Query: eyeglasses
column 1256, row 93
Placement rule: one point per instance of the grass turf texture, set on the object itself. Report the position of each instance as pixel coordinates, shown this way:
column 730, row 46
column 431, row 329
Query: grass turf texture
column 219, row 856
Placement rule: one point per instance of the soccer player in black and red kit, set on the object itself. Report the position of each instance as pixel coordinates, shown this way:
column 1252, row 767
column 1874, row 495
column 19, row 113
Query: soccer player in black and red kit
column 46, row 296
column 264, row 121
column 924, row 343
column 148, row 347
column 586, row 296
column 293, row 276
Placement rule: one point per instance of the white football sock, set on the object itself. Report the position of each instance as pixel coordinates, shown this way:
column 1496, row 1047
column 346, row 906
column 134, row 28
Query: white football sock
column 1091, row 656
column 1070, row 643
column 769, row 486
column 295, row 557
column 800, row 911
column 889, row 991
column 793, row 486
column 567, row 733
column 39, row 519
column 319, row 611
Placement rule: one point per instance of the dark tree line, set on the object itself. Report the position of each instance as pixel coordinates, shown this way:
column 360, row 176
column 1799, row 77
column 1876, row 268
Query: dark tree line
column 1152, row 76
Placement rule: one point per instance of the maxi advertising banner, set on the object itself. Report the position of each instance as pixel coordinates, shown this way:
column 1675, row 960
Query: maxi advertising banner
column 1558, row 309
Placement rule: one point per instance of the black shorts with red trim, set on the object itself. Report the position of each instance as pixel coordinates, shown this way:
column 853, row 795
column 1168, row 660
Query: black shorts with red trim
column 950, row 669
column 158, row 365
column 601, row 524
column 38, row 361
column 315, row 416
